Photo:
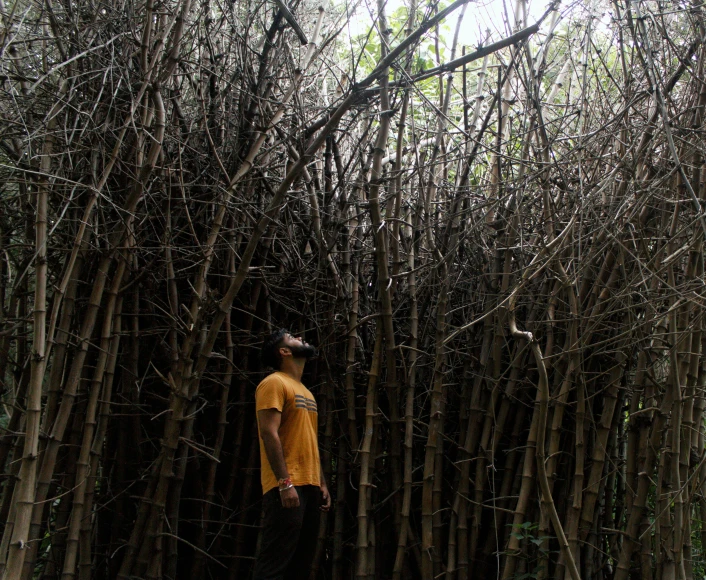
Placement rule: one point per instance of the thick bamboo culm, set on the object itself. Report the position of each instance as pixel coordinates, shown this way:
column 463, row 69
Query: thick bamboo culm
column 497, row 246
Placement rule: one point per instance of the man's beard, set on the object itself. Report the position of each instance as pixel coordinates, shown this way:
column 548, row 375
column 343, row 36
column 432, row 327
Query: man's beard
column 305, row 351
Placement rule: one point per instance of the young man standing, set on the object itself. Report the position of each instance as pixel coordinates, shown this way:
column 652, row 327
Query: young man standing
column 292, row 479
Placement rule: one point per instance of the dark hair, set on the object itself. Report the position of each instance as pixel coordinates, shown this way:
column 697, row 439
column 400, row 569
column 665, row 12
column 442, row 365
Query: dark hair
column 270, row 349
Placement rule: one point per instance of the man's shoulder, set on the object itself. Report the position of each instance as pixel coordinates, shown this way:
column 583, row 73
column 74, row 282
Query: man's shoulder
column 272, row 381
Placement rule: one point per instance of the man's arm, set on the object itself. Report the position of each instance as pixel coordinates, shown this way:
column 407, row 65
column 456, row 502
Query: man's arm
column 269, row 421
column 325, row 495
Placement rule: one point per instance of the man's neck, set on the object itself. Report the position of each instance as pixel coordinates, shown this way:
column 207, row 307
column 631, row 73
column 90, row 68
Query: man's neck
column 293, row 369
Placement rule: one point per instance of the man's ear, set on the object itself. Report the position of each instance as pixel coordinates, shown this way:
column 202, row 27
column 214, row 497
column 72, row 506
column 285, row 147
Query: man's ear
column 284, row 351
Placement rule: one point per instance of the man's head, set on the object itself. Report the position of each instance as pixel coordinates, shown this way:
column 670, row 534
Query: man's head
column 281, row 344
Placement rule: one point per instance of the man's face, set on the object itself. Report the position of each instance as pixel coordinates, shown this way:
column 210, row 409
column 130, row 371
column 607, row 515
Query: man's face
column 298, row 347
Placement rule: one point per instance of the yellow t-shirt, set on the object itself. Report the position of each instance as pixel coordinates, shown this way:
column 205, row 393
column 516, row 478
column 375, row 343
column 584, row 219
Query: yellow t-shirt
column 297, row 430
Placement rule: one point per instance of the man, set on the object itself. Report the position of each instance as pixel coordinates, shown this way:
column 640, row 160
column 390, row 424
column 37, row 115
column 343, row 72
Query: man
column 293, row 482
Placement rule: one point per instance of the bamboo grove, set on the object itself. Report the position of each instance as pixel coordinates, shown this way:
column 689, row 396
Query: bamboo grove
column 499, row 250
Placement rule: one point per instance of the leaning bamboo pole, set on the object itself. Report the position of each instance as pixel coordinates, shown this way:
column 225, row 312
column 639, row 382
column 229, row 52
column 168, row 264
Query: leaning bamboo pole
column 49, row 458
column 83, row 472
column 543, row 398
column 85, row 549
column 24, row 492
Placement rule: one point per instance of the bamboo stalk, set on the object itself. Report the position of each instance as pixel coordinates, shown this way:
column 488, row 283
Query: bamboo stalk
column 24, row 492
column 381, row 253
column 411, row 381
column 210, row 486
column 339, row 517
column 436, row 413
column 83, row 465
column 600, row 447
column 85, row 551
column 526, row 488
column 58, row 428
column 543, row 401
column 365, row 485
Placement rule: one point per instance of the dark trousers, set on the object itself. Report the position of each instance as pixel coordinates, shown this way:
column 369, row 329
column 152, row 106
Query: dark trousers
column 289, row 536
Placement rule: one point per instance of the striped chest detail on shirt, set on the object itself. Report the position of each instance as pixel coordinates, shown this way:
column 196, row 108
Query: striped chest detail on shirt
column 302, row 402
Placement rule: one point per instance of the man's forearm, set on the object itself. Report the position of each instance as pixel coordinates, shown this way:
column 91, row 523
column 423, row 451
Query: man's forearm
column 322, row 477
column 275, row 455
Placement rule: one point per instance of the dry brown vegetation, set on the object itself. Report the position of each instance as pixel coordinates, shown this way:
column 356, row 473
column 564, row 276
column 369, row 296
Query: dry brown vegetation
column 501, row 259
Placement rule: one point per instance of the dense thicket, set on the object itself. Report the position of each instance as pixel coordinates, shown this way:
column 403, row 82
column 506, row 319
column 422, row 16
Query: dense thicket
column 501, row 260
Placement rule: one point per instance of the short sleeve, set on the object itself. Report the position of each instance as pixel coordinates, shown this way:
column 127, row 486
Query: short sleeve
column 270, row 394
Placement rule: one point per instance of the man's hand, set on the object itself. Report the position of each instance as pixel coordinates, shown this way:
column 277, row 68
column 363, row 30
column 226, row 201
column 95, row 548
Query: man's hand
column 325, row 498
column 289, row 497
